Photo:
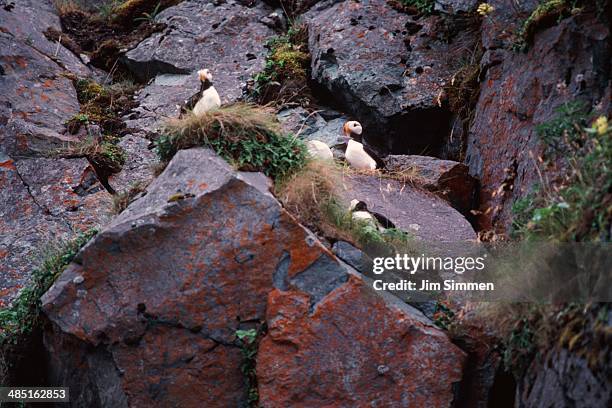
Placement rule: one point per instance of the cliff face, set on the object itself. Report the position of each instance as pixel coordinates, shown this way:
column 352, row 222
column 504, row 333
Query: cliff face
column 205, row 290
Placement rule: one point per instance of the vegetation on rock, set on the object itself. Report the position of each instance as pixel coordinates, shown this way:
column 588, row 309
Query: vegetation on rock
column 284, row 77
column 246, row 135
column 19, row 320
column 311, row 195
column 248, row 341
column 580, row 208
column 424, row 7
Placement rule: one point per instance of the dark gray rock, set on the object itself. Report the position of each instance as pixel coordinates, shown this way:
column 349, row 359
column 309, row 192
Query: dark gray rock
column 227, row 38
column 42, row 200
column 448, row 179
column 139, row 163
column 456, row 6
column 352, row 256
column 314, row 125
column 388, row 76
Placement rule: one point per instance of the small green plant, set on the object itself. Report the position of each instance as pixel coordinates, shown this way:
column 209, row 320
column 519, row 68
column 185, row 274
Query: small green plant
column 150, row 17
column 565, row 132
column 248, row 341
column 443, row 315
column 246, row 135
column 520, row 347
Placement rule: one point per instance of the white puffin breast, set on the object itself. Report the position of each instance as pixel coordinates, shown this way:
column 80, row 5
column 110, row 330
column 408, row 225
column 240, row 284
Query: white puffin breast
column 319, row 150
column 210, row 100
column 357, row 157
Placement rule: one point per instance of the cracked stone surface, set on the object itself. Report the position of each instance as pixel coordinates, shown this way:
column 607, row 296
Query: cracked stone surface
column 215, row 250
column 42, row 199
column 226, row 37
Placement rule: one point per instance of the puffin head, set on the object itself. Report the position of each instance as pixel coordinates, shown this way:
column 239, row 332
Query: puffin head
column 205, row 75
column 352, row 129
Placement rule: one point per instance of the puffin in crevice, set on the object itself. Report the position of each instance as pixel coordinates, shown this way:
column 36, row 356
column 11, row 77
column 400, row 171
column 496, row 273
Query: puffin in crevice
column 206, row 99
column 360, row 212
column 357, row 154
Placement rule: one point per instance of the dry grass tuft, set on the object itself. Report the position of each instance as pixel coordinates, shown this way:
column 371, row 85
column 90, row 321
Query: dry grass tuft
column 125, row 198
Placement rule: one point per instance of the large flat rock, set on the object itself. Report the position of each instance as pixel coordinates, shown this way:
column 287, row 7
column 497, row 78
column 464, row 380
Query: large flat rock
column 421, row 213
column 42, row 200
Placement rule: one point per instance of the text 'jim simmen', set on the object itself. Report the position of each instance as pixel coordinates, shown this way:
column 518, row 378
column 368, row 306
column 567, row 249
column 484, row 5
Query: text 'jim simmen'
column 425, row 285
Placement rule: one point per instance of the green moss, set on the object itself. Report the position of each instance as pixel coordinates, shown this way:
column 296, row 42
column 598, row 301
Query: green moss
column 423, row 6
column 248, row 341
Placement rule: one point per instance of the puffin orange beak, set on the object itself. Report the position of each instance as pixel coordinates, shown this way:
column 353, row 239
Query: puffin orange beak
column 346, row 130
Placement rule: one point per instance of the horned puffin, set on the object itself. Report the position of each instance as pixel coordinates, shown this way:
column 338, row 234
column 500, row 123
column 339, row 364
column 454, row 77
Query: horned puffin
column 360, row 212
column 357, row 154
column 319, row 150
column 206, row 99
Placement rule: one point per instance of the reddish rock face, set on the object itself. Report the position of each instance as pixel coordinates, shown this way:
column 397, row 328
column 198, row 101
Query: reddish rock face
column 152, row 304
column 354, row 348
column 520, row 90
column 164, row 288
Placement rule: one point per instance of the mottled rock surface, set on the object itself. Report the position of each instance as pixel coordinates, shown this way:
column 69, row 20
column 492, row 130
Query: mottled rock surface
column 159, row 328
column 411, row 209
column 384, row 68
column 42, row 199
column 448, row 179
column 206, row 237
column 356, row 348
column 226, row 37
column 567, row 62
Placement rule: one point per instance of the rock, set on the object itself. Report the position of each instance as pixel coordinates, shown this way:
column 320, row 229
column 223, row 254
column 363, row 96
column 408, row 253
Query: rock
column 138, row 167
column 27, row 21
column 563, row 379
column 352, row 256
column 388, row 76
column 455, row 6
column 448, row 179
column 325, row 125
column 169, row 281
column 522, row 90
column 355, row 348
column 420, row 213
column 227, row 38
column 43, row 200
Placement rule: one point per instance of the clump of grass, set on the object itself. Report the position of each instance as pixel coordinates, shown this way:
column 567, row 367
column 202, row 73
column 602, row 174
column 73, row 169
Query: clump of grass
column 284, row 76
column 123, row 199
column 311, row 195
column 129, row 11
column 248, row 136
column 580, row 208
column 23, row 315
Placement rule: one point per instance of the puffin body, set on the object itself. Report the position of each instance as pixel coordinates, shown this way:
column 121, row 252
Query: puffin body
column 356, row 153
column 207, row 97
column 319, row 150
column 357, row 156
